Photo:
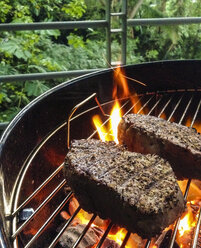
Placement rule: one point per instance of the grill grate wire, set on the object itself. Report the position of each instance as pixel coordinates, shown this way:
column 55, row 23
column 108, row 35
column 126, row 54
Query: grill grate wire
column 142, row 98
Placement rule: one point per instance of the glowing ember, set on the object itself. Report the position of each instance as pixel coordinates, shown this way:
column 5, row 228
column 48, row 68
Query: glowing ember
column 187, row 222
column 115, row 118
column 119, row 236
column 186, row 226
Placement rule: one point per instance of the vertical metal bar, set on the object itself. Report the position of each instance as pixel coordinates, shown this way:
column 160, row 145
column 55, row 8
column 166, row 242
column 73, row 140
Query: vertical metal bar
column 108, row 34
column 196, row 235
column 54, row 242
column 145, row 105
column 147, row 243
column 104, row 235
column 186, row 110
column 163, row 109
column 195, row 115
column 72, row 113
column 178, row 220
column 125, row 240
column 155, row 106
column 175, row 108
column 84, row 231
column 124, row 32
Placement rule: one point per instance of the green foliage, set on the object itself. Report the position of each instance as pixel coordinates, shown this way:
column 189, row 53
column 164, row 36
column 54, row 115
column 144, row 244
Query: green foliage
column 54, row 50
column 75, row 8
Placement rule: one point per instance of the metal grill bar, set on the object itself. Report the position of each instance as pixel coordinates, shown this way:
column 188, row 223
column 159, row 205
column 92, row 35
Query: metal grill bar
column 163, row 109
column 54, row 242
column 73, row 111
column 125, row 240
column 104, row 235
column 139, row 100
column 63, row 203
column 39, row 208
column 145, row 105
column 147, row 244
column 38, row 189
column 84, row 231
column 197, row 230
column 177, row 105
column 155, row 105
column 196, row 112
column 186, row 110
column 178, row 220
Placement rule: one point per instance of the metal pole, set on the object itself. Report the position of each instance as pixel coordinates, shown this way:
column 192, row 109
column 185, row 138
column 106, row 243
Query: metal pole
column 52, row 25
column 164, row 21
column 108, row 34
column 45, row 75
column 124, row 32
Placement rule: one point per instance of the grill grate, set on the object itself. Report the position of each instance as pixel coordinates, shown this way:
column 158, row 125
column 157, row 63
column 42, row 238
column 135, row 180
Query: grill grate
column 158, row 104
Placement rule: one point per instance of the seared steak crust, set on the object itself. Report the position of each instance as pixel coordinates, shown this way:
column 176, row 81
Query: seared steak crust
column 139, row 192
column 178, row 144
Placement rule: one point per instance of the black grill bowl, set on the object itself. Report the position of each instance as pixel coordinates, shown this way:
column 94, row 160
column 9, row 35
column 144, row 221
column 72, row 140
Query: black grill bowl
column 51, row 109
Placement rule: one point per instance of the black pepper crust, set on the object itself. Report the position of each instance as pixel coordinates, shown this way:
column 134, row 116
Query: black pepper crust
column 178, row 144
column 135, row 191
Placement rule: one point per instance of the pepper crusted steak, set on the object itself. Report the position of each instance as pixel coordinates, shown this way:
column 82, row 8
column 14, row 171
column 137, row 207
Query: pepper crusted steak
column 178, row 144
column 138, row 192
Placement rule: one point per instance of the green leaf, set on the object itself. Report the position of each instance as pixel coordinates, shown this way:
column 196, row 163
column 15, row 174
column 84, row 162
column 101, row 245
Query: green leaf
column 35, row 88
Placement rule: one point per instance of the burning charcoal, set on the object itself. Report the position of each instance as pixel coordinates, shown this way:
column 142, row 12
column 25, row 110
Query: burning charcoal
column 178, row 144
column 164, row 240
column 108, row 243
column 91, row 238
column 130, row 189
column 72, row 233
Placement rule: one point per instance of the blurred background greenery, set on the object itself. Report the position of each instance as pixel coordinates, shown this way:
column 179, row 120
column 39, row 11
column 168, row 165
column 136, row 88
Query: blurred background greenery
column 55, row 50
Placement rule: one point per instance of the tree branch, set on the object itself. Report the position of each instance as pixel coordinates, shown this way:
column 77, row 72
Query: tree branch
column 135, row 9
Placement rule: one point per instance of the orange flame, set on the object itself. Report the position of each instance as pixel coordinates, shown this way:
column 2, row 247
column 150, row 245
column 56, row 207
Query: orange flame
column 119, row 236
column 187, row 223
column 197, row 124
column 115, row 118
column 109, row 134
column 102, row 131
column 121, row 82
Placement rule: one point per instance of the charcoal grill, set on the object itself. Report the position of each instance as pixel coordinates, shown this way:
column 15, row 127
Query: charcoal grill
column 34, row 145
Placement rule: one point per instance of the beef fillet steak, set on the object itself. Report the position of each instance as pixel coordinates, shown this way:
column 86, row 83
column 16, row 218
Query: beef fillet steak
column 136, row 191
column 178, row 144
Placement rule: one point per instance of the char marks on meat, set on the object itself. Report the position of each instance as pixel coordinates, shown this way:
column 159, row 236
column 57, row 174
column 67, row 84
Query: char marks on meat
column 136, row 191
column 178, row 144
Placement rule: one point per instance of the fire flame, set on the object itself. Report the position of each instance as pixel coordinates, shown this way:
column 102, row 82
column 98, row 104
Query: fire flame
column 102, row 131
column 186, row 226
column 115, row 118
column 109, row 134
column 119, row 236
column 121, row 82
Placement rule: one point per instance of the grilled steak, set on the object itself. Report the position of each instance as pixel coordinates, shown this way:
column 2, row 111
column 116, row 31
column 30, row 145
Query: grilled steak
column 136, row 191
column 178, row 144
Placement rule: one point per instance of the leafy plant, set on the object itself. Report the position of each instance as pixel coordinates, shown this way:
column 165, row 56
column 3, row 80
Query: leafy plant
column 61, row 50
